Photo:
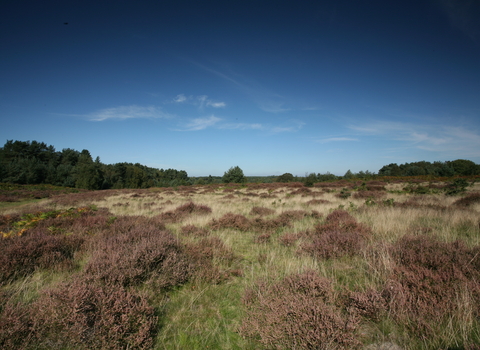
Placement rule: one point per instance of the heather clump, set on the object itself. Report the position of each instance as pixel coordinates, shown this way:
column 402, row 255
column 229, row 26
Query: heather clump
column 83, row 198
column 303, row 191
column 291, row 215
column 261, row 211
column 23, row 255
column 231, row 220
column 317, row 201
column 269, row 225
column 212, row 261
column 369, row 304
column 263, row 238
column 369, row 194
column 283, row 220
column 433, row 289
column 468, row 200
column 298, row 312
column 183, row 211
column 340, row 235
column 194, row 230
column 80, row 315
column 289, row 239
column 143, row 253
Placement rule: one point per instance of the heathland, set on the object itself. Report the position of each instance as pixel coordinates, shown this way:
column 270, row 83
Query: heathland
column 382, row 264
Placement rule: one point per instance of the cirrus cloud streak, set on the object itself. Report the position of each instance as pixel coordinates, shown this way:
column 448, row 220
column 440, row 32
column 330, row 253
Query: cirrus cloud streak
column 128, row 112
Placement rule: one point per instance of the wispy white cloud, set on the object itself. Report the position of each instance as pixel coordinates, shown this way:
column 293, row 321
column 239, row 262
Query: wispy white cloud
column 199, row 101
column 216, row 104
column 447, row 140
column 202, row 123
column 265, row 99
column 219, row 124
column 292, row 126
column 272, row 106
column 337, row 139
column 128, row 112
column 180, row 98
column 241, row 126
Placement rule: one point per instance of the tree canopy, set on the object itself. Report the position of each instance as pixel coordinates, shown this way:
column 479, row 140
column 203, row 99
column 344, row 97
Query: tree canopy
column 25, row 162
column 234, row 175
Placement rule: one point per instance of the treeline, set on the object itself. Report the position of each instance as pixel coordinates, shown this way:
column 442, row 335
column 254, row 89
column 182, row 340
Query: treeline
column 32, row 162
column 25, row 162
column 459, row 167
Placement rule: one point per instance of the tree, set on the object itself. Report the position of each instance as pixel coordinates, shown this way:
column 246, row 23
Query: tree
column 463, row 167
column 234, row 175
column 287, row 177
column 88, row 174
column 310, row 179
column 348, row 174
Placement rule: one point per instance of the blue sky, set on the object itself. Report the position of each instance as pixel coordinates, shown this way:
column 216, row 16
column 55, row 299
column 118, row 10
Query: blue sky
column 270, row 86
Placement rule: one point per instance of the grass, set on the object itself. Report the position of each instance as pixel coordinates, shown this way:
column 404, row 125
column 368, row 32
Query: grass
column 236, row 240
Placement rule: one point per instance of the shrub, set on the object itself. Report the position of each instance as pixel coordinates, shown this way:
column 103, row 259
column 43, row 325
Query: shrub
column 15, row 326
column 317, row 201
column 288, row 239
column 428, row 283
column 263, row 238
column 205, row 253
column 194, row 230
column 334, row 244
column 261, row 211
column 86, row 316
column 22, row 255
column 268, row 225
column 468, row 200
column 184, row 210
column 369, row 194
column 291, row 215
column 299, row 312
column 456, row 187
column 140, row 254
column 340, row 235
column 369, row 304
column 230, row 220
column 344, row 194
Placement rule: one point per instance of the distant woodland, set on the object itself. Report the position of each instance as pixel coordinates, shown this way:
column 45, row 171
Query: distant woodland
column 32, row 162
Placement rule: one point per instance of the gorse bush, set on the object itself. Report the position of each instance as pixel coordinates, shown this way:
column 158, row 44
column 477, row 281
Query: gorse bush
column 456, row 187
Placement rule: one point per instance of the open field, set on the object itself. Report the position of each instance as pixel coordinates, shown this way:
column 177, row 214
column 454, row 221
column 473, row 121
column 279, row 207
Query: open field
column 343, row 265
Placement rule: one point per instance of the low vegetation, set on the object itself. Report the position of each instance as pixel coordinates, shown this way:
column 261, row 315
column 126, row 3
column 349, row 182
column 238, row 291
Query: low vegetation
column 380, row 264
